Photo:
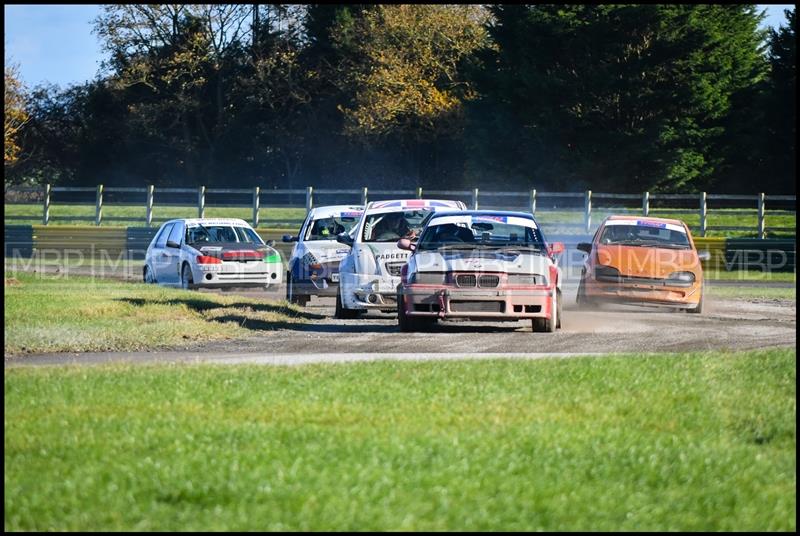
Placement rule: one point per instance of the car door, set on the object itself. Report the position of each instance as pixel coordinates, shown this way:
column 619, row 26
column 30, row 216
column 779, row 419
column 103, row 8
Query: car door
column 159, row 255
column 172, row 255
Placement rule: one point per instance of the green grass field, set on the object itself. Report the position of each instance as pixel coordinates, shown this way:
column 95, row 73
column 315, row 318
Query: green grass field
column 283, row 218
column 751, row 293
column 670, row 442
column 58, row 314
column 292, row 218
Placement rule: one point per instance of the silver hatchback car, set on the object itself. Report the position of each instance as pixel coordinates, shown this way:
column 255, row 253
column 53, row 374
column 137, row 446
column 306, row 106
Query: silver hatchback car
column 211, row 253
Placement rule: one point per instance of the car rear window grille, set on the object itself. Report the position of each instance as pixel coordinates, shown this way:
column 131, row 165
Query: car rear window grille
column 466, row 280
column 394, row 268
column 488, row 281
column 483, row 306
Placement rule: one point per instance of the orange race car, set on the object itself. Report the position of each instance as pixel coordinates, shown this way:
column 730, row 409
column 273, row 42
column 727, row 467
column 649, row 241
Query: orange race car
column 642, row 261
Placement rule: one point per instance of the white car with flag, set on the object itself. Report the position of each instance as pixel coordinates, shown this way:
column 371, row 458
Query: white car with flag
column 370, row 272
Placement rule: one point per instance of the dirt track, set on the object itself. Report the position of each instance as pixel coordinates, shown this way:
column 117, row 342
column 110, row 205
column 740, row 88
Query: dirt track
column 726, row 324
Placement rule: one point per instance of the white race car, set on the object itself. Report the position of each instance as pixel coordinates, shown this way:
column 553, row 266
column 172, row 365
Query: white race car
column 211, row 253
column 481, row 265
column 314, row 264
column 370, row 272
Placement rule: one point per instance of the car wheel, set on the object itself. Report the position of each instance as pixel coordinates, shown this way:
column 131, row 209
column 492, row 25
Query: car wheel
column 699, row 308
column 343, row 312
column 148, row 276
column 581, row 299
column 291, row 296
column 558, row 311
column 186, row 277
column 548, row 325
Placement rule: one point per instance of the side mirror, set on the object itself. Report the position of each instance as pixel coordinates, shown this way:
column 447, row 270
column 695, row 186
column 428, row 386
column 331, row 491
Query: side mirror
column 586, row 247
column 405, row 243
column 172, row 244
column 556, row 248
column 288, row 238
column 270, row 243
column 344, row 238
column 704, row 256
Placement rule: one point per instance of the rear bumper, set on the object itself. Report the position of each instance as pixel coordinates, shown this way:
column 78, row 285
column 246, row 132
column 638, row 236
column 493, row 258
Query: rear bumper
column 643, row 294
column 478, row 304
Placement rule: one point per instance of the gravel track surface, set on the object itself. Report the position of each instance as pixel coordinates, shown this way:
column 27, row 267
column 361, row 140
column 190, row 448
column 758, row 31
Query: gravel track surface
column 726, row 324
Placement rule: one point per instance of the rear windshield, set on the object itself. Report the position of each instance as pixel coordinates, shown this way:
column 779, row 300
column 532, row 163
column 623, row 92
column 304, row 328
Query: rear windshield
column 644, row 235
column 212, row 234
column 328, row 228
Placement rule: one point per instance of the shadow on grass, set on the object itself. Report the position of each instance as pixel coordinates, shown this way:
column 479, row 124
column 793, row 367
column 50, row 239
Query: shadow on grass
column 362, row 325
column 202, row 305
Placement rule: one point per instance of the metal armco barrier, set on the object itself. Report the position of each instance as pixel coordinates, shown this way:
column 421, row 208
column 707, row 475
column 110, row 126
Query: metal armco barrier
column 19, row 241
column 137, row 239
column 88, row 241
column 768, row 255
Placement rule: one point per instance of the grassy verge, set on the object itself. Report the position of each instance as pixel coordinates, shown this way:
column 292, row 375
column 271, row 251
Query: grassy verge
column 767, row 293
column 279, row 217
column 750, row 275
column 54, row 314
column 671, row 442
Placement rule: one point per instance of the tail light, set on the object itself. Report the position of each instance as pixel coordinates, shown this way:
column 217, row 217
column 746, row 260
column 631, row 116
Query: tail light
column 205, row 259
column 404, row 274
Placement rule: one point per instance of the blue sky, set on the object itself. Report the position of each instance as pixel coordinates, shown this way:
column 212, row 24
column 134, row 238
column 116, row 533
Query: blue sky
column 54, row 43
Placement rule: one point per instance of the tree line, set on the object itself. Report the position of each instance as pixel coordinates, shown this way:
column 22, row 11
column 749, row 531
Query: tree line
column 557, row 97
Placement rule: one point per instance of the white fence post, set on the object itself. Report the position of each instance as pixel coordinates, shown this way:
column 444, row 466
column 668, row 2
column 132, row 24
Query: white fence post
column 475, row 199
column 256, row 205
column 533, row 201
column 703, row 214
column 419, row 192
column 309, row 198
column 201, row 202
column 646, row 204
column 98, row 210
column 149, row 205
column 761, row 216
column 364, row 196
column 587, row 209
column 46, row 213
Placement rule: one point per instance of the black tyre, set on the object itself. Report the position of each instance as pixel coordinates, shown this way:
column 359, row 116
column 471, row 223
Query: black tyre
column 148, row 276
column 291, row 296
column 548, row 325
column 582, row 300
column 342, row 311
column 699, row 309
column 558, row 312
column 187, row 282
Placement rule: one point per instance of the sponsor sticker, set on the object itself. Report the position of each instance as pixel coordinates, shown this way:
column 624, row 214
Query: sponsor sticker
column 645, row 223
column 351, row 214
column 500, row 219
